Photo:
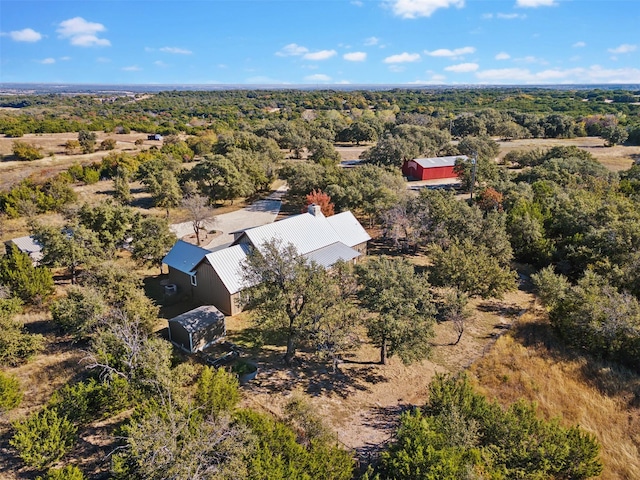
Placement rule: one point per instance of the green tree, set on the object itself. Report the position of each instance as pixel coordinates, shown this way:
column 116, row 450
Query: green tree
column 87, row 141
column 163, row 441
column 16, row 344
column 614, row 134
column 109, row 221
column 32, row 284
column 151, row 240
column 401, row 306
column 284, row 291
column 121, row 189
column 80, row 311
column 459, row 434
column 217, row 391
column 26, row 151
column 10, row 392
column 70, row 472
column 472, row 269
column 71, row 249
column 43, row 438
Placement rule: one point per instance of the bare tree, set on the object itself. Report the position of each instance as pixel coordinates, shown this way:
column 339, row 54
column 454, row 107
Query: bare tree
column 457, row 311
column 199, row 211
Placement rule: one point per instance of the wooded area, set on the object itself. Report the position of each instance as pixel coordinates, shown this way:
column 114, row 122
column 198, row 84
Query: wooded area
column 553, row 219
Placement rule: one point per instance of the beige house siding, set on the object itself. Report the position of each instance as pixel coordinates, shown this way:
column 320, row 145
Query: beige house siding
column 211, row 290
column 182, row 281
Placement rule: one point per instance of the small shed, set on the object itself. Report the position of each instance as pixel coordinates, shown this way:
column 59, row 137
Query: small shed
column 155, row 136
column 27, row 245
column 431, row 168
column 197, row 329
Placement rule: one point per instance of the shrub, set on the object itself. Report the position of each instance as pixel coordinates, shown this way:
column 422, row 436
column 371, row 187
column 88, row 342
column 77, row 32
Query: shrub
column 217, row 391
column 84, row 402
column 108, row 144
column 43, row 438
column 70, row 472
column 26, row 151
column 10, row 393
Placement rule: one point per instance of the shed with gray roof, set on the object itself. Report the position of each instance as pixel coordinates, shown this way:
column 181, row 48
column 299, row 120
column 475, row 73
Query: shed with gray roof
column 27, row 245
column 196, row 329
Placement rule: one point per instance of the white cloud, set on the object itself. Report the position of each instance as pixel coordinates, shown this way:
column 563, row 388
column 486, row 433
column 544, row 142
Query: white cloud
column 25, row 35
column 318, row 77
column 579, row 45
column 160, row 63
column 531, row 59
column 355, row 56
column 357, row 3
column 65, row 59
column 176, row 50
column 445, row 52
column 371, row 41
column 535, row 3
column 463, row 68
column 624, row 48
column 132, row 68
column 82, row 33
column 511, row 16
column 403, row 58
column 593, row 74
column 48, row 61
column 502, row 56
column 321, row 55
column 421, row 8
column 292, row 50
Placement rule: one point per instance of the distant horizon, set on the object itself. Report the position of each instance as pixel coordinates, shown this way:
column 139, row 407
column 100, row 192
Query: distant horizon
column 68, row 87
column 316, row 42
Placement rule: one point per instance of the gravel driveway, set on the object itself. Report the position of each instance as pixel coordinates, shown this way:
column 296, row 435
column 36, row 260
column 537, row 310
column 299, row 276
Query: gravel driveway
column 258, row 213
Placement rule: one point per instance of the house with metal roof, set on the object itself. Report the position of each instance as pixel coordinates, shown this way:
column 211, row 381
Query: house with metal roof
column 217, row 278
column 431, row 168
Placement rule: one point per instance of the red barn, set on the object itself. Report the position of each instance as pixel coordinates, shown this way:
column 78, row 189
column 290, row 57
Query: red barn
column 431, row 168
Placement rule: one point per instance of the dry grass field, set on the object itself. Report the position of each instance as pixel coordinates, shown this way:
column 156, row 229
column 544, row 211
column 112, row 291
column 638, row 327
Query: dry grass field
column 619, row 157
column 602, row 398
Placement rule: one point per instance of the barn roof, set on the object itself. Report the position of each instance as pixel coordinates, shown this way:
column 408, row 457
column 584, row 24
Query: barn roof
column 199, row 318
column 184, row 256
column 432, row 162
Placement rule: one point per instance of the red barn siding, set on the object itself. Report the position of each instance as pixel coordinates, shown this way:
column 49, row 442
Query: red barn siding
column 415, row 171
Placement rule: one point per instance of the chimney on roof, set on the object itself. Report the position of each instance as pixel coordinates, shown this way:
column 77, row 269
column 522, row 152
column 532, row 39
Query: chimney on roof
column 315, row 210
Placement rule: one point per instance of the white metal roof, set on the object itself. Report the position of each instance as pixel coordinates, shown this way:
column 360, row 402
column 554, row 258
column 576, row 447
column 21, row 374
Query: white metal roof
column 184, row 256
column 318, row 238
column 226, row 262
column 348, row 229
column 329, row 255
column 305, row 232
column 439, row 161
column 199, row 318
column 29, row 246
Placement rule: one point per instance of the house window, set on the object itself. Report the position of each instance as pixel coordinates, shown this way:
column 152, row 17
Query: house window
column 194, row 280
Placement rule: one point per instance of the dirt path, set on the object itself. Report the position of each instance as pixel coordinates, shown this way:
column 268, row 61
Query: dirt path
column 362, row 401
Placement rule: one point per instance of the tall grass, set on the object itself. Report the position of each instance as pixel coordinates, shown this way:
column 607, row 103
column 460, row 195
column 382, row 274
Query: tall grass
column 601, row 397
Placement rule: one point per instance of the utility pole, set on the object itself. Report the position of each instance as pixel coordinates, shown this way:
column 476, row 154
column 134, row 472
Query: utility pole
column 474, row 161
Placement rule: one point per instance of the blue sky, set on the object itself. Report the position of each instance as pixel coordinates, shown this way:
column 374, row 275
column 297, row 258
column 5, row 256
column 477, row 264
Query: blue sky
column 320, row 41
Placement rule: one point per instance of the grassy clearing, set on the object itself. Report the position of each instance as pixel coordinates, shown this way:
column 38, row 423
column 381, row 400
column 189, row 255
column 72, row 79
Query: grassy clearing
column 602, row 398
